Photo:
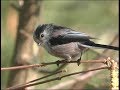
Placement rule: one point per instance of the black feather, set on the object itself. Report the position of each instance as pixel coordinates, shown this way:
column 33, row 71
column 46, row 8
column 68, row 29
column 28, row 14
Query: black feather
column 39, row 30
column 90, row 43
column 61, row 39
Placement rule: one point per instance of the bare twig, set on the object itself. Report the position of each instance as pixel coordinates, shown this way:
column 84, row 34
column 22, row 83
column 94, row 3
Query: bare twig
column 50, row 63
column 53, row 79
column 46, row 76
column 21, row 67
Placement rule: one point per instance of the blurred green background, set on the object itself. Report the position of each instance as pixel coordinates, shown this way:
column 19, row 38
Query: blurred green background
column 98, row 18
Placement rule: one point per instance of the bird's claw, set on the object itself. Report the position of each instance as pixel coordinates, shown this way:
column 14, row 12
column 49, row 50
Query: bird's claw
column 78, row 62
column 58, row 63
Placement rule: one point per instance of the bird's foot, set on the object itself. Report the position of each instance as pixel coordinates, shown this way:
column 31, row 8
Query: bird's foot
column 58, row 62
column 78, row 62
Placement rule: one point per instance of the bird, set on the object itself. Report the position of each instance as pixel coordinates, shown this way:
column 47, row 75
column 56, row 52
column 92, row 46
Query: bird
column 64, row 42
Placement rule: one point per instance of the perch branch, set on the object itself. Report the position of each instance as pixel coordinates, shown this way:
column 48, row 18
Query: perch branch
column 51, row 63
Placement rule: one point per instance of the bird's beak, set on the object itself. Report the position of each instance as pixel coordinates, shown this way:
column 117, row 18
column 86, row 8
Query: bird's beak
column 39, row 44
column 37, row 41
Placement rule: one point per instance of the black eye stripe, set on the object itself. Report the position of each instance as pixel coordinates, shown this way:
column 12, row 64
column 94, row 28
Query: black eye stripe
column 39, row 30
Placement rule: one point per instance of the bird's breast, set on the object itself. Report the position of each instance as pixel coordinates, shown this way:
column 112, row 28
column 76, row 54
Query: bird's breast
column 65, row 50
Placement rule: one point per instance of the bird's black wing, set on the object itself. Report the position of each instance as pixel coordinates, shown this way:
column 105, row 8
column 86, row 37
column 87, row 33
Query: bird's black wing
column 82, row 38
column 69, row 36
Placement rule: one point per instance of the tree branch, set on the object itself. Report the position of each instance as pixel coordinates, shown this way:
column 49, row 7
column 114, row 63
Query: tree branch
column 51, row 63
column 53, row 79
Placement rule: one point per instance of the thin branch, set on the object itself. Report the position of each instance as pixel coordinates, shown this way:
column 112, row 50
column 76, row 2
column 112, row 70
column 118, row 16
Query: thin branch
column 46, row 76
column 22, row 67
column 51, row 63
column 53, row 79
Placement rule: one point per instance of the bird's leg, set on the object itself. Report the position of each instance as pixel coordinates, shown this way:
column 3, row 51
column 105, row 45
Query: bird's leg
column 68, row 58
column 78, row 61
column 59, row 61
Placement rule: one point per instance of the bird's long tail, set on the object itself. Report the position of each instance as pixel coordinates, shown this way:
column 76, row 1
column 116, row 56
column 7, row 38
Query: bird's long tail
column 102, row 46
column 106, row 46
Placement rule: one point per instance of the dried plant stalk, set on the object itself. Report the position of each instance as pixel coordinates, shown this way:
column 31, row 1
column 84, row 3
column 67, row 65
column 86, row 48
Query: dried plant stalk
column 113, row 74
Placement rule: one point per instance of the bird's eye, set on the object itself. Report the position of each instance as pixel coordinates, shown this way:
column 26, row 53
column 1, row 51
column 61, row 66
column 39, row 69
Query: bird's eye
column 42, row 35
